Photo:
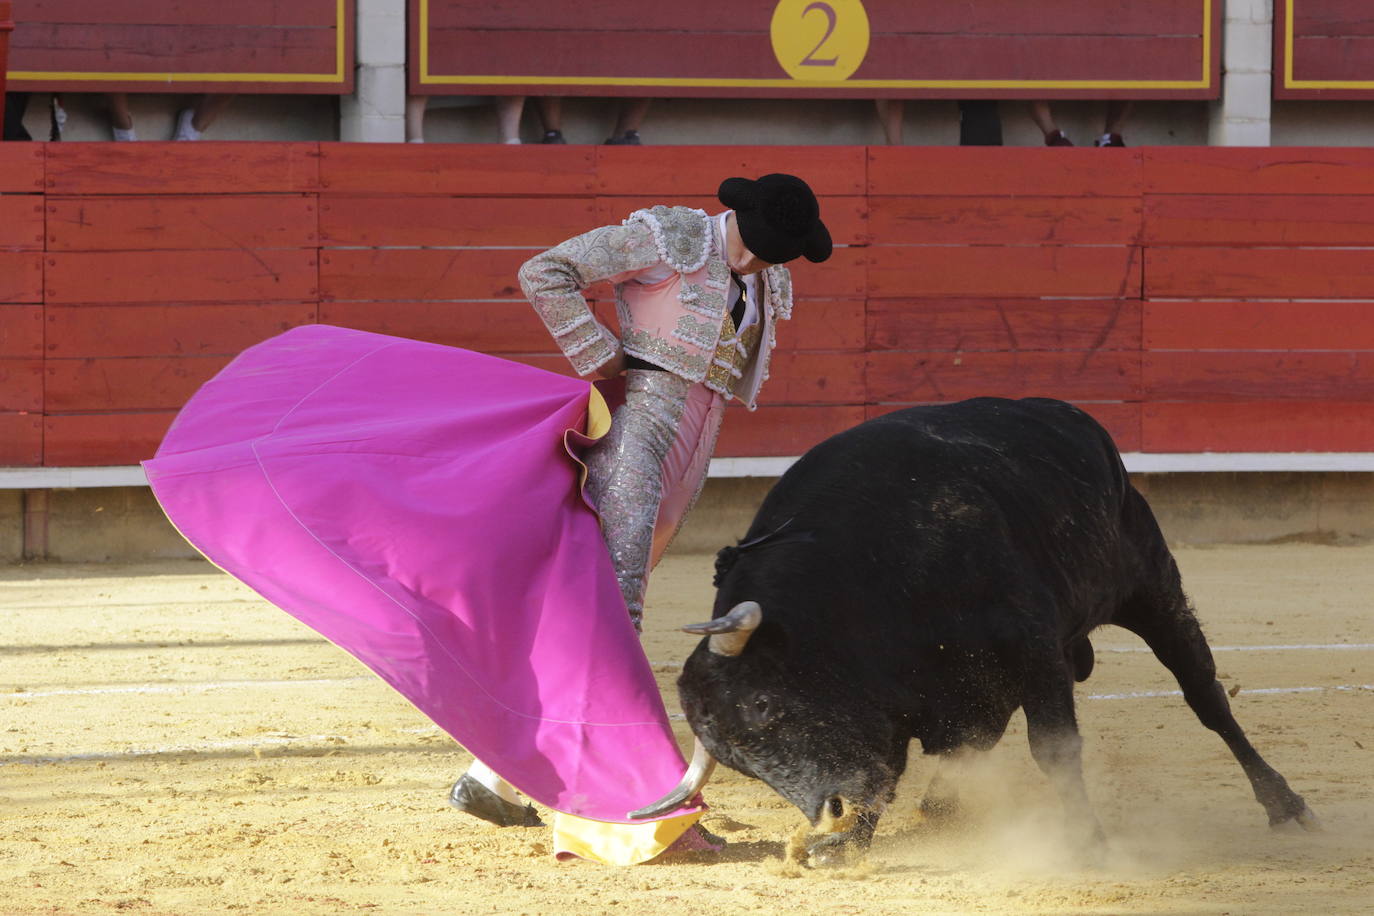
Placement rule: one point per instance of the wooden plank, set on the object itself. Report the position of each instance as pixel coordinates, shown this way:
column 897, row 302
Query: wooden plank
column 445, row 222
column 164, row 222
column 279, row 13
column 1251, row 325
column 21, row 440
column 844, row 275
column 21, row 276
column 168, row 330
column 808, row 377
column 1120, row 419
column 824, row 324
column 831, row 171
column 488, row 327
column 1002, row 220
column 182, row 168
column 21, row 331
column 138, row 383
column 422, row 274
column 1271, row 219
column 1004, row 324
column 984, row 17
column 996, row 270
column 987, row 171
column 845, row 217
column 269, row 274
column 1183, row 375
column 1259, row 426
column 906, row 377
column 1334, row 58
column 1258, row 170
column 1259, row 273
column 21, row 222
column 480, row 170
column 95, row 439
column 21, row 167
column 781, row 430
column 21, row 384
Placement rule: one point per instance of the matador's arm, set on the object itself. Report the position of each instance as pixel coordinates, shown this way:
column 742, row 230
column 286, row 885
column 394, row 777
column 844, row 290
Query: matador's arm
column 553, row 283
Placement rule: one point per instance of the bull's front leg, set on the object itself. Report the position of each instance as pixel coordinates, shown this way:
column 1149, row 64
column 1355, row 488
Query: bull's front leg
column 836, row 848
column 1057, row 748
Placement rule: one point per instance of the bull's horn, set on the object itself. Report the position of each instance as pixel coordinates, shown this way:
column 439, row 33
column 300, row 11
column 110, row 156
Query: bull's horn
column 730, row 633
column 698, row 771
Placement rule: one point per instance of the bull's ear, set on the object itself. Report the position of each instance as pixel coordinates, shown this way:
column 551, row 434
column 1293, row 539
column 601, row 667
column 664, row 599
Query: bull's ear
column 730, row 634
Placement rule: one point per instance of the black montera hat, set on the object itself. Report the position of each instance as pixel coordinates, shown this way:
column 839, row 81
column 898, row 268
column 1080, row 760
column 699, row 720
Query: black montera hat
column 778, row 217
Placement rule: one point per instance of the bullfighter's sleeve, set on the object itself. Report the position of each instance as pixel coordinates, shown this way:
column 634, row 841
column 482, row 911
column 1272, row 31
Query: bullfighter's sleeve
column 553, row 283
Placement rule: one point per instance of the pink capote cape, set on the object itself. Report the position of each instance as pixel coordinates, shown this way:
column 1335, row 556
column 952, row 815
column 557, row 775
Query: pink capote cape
column 417, row 505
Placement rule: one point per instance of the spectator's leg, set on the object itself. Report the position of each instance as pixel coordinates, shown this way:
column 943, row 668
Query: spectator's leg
column 121, row 120
column 551, row 117
column 890, row 114
column 16, row 103
column 194, row 121
column 1044, row 119
column 1118, row 110
column 980, row 123
column 415, row 118
column 508, row 111
column 629, row 116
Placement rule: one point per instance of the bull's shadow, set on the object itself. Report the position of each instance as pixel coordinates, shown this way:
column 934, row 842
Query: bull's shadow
column 922, row 576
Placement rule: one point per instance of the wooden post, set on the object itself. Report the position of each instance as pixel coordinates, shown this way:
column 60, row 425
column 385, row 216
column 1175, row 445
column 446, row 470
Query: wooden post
column 6, row 26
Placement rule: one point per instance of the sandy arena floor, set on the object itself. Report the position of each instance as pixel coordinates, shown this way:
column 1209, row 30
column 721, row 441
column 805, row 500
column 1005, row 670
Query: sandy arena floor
column 173, row 745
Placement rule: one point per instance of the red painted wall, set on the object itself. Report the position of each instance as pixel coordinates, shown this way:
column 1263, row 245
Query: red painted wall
column 1193, row 299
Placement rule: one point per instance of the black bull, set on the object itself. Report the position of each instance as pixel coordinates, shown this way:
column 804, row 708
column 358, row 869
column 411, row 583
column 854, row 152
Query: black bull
column 923, row 575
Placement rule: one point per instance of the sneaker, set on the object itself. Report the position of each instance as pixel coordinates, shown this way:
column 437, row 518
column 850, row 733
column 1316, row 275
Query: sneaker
column 472, row 797
column 185, row 129
column 629, row 138
column 1057, row 138
column 1109, row 140
column 553, row 136
column 124, row 136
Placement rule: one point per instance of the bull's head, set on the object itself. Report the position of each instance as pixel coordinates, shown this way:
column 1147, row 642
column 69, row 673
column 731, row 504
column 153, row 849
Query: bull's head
column 787, row 720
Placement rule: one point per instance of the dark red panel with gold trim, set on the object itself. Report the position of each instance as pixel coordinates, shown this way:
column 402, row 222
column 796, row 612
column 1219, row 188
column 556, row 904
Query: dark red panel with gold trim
column 827, row 48
column 296, row 46
column 1323, row 49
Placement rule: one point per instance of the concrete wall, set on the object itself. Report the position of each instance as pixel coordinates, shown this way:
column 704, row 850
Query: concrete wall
column 121, row 524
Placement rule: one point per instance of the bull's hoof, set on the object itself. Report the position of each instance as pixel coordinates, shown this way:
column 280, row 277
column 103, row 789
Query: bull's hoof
column 1306, row 819
column 941, row 808
column 832, row 851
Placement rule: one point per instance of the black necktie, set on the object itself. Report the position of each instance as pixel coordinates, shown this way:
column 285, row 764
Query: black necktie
column 737, row 313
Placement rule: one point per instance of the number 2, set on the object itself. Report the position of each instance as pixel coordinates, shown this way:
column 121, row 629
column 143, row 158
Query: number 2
column 809, row 60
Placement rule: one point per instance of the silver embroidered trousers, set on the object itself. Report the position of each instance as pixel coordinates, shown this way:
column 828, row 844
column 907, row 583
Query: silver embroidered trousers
column 625, row 475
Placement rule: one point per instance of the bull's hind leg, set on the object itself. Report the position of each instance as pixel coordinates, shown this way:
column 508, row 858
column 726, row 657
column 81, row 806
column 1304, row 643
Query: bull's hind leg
column 1161, row 616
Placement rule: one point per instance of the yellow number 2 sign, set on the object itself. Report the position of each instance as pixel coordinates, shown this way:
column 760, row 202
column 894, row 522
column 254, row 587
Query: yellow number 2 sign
column 819, row 40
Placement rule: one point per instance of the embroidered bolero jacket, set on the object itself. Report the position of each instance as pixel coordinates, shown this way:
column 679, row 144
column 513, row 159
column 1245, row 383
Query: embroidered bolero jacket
column 675, row 323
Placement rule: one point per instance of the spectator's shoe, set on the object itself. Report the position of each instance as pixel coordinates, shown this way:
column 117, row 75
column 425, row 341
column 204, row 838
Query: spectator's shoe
column 186, row 130
column 471, row 796
column 1109, row 140
column 123, row 135
column 629, row 138
column 1057, row 138
column 553, row 136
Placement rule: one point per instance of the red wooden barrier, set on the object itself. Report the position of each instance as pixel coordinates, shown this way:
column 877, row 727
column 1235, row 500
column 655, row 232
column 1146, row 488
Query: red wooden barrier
column 1191, row 299
column 297, row 46
column 828, row 48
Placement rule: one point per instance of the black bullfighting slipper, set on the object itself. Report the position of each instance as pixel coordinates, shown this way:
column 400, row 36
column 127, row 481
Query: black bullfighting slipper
column 471, row 796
